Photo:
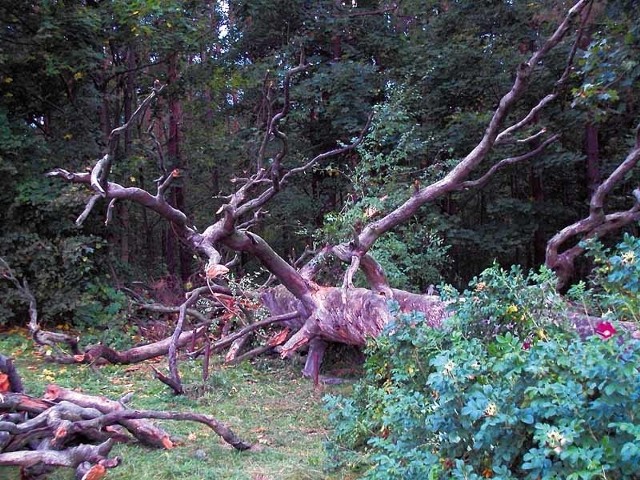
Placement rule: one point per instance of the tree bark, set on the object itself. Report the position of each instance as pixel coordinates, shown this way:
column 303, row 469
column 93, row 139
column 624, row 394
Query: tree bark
column 54, row 431
column 180, row 258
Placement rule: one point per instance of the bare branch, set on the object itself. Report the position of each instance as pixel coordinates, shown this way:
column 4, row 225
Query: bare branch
column 41, row 337
column 163, row 184
column 596, row 224
column 268, row 101
column 100, row 171
column 97, row 353
column 118, row 416
column 253, row 221
column 87, row 209
column 71, row 457
column 351, row 271
column 228, row 340
column 8, row 273
column 331, row 153
column 597, row 201
column 158, row 147
column 110, row 208
column 270, row 192
column 463, row 169
column 173, row 346
column 188, row 233
column 484, row 179
column 97, row 172
column 533, row 137
column 153, row 307
column 529, row 118
column 373, row 271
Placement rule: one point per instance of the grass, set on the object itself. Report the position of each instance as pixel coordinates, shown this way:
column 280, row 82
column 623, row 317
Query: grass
column 265, row 402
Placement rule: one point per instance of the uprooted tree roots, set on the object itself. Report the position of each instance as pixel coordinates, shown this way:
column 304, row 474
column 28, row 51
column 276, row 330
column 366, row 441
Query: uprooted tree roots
column 75, row 430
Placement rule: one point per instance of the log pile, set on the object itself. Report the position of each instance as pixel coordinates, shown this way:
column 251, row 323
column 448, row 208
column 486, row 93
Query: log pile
column 69, row 429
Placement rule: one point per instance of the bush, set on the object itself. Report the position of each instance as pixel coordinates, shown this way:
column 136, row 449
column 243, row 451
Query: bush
column 531, row 401
column 103, row 315
column 615, row 280
column 44, row 247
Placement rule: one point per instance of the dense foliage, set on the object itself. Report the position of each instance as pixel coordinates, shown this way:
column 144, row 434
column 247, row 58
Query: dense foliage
column 615, row 282
column 505, row 390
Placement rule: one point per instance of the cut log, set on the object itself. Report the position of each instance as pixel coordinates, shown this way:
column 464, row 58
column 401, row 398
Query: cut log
column 12, row 381
column 145, row 432
column 76, row 430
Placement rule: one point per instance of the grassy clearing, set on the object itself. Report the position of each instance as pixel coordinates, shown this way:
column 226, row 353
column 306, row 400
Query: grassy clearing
column 265, row 402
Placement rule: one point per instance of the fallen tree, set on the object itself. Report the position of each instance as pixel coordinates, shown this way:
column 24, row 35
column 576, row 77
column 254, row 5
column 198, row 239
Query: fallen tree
column 344, row 314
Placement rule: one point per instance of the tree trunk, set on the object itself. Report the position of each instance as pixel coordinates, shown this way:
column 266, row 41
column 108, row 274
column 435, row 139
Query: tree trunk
column 181, row 267
column 539, row 238
column 349, row 316
column 593, row 157
column 129, row 95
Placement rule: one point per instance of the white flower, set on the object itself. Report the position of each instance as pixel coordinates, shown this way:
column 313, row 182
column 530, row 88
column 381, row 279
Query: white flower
column 491, row 409
column 448, row 367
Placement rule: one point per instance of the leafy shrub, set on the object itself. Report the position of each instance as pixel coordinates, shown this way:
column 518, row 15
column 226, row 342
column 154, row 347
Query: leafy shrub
column 102, row 314
column 414, row 255
column 501, row 302
column 467, row 402
column 615, row 280
column 43, row 246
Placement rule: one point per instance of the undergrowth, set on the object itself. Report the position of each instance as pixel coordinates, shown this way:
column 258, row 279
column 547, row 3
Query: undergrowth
column 505, row 390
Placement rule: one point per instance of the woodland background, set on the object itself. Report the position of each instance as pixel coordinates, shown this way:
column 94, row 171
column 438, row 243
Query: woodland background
column 431, row 71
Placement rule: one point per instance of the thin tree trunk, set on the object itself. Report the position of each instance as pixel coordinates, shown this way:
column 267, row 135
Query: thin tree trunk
column 537, row 194
column 129, row 96
column 181, row 266
column 592, row 148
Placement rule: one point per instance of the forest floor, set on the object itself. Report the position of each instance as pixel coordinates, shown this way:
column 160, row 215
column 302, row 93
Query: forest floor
column 265, row 402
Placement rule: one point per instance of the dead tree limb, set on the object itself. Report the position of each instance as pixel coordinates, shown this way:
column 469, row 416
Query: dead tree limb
column 77, row 430
column 118, row 416
column 344, row 315
column 598, row 223
column 71, row 457
column 173, row 345
column 460, row 173
column 145, row 432
column 133, row 355
column 41, row 337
